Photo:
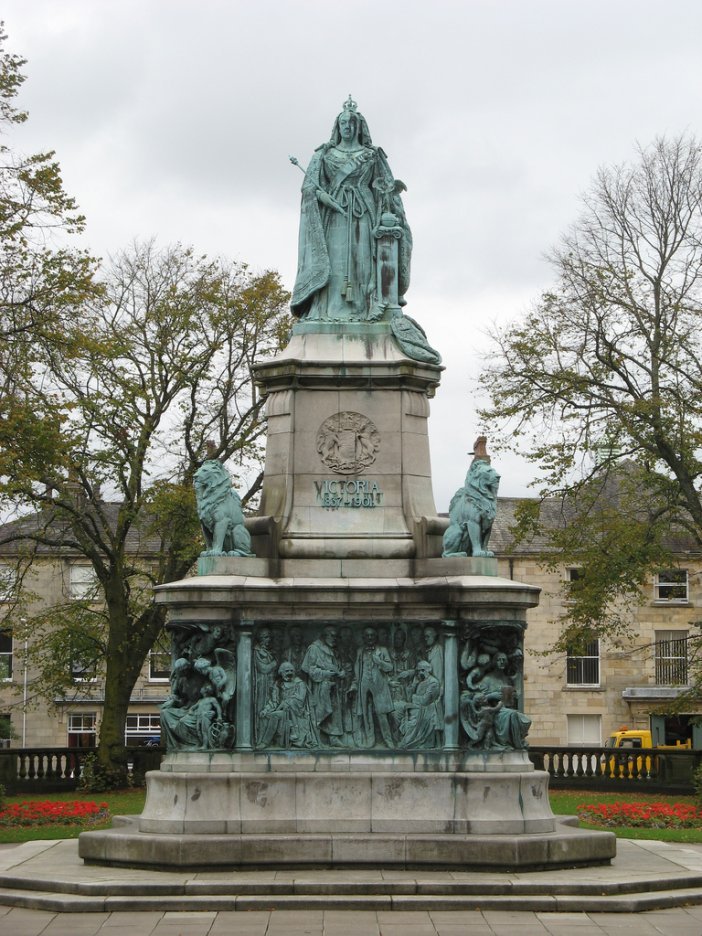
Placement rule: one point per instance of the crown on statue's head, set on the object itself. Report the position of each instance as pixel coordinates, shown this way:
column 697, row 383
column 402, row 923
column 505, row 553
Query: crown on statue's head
column 350, row 105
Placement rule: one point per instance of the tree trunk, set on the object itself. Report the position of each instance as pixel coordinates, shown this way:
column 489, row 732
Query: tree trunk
column 128, row 644
column 123, row 666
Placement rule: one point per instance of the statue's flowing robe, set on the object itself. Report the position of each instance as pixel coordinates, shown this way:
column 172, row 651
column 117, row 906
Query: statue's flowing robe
column 336, row 274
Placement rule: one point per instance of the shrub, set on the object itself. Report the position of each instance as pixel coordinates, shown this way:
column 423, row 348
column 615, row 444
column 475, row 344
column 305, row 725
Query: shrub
column 96, row 778
column 697, row 782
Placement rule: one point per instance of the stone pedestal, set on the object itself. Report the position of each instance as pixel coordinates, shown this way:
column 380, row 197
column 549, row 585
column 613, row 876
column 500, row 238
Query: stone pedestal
column 347, row 470
column 347, row 697
column 284, row 811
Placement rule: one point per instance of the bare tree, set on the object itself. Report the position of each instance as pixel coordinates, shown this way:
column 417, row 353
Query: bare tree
column 600, row 384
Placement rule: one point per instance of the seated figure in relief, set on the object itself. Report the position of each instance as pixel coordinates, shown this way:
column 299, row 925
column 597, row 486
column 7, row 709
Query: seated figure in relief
column 422, row 717
column 286, row 720
column 488, row 708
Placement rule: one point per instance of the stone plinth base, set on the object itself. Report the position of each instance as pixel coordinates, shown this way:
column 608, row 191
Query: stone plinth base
column 326, row 810
column 566, row 846
column 293, row 802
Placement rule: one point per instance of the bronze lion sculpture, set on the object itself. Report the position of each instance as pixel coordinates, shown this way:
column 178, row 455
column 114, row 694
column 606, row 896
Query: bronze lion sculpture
column 220, row 512
column 472, row 512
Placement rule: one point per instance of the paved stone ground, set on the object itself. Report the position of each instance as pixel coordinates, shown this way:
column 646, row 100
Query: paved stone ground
column 677, row 922
column 640, row 860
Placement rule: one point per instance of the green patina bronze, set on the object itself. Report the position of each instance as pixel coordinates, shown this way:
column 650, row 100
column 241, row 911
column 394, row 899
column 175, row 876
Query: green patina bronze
column 349, row 199
column 294, row 682
column 320, row 687
column 355, row 243
column 220, row 513
column 472, row 509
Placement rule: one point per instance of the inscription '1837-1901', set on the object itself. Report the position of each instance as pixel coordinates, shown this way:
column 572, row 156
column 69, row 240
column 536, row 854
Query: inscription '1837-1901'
column 349, row 492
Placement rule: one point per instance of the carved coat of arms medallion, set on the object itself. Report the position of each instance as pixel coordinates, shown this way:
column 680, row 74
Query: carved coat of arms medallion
column 348, row 442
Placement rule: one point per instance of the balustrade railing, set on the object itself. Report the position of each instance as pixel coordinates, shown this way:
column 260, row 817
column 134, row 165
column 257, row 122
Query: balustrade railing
column 617, row 768
column 51, row 770
column 25, row 770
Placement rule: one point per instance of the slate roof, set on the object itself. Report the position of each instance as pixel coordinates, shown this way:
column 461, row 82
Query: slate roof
column 502, row 539
column 138, row 540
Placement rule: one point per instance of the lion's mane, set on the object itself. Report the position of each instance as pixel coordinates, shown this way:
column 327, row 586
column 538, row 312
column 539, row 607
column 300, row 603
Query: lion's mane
column 214, row 489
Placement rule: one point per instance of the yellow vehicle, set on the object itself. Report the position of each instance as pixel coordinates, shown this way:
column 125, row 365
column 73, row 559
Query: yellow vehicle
column 623, row 764
column 641, row 738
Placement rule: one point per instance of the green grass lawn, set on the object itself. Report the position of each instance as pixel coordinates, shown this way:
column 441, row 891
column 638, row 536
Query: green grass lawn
column 131, row 802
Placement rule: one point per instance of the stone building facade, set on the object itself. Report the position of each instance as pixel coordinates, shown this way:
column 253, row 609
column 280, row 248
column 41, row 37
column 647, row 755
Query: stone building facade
column 57, row 577
column 579, row 700
column 571, row 699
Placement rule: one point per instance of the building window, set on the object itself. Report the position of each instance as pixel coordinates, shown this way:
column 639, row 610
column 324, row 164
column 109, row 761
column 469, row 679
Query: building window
column 585, row 730
column 83, row 663
column 83, row 582
column 8, row 581
column 671, row 658
column 572, row 575
column 82, row 672
column 142, row 729
column 82, row 730
column 5, row 654
column 584, row 669
column 5, row 730
column 670, row 585
column 160, row 659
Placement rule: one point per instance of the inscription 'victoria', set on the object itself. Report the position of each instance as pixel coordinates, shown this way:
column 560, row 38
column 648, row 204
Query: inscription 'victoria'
column 351, row 492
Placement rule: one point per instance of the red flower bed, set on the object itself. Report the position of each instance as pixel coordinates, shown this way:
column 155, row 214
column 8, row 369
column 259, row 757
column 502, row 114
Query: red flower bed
column 643, row 815
column 46, row 812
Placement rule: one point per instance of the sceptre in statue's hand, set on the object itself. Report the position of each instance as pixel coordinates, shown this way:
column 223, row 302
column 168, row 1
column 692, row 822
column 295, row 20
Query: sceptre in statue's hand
column 295, row 161
column 322, row 196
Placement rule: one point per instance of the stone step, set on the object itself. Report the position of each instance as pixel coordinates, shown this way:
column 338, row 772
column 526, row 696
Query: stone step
column 381, row 895
column 335, row 884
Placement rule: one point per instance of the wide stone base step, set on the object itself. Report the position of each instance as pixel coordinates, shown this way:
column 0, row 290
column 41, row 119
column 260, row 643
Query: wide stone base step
column 567, row 847
column 334, row 891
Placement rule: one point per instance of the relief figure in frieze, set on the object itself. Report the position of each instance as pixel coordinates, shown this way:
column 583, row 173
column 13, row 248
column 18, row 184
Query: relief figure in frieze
column 370, row 690
column 264, row 669
column 325, row 677
column 421, row 723
column 489, row 710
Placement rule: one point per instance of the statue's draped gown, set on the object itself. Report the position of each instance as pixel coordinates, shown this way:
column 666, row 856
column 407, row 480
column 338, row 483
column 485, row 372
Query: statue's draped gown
column 336, row 260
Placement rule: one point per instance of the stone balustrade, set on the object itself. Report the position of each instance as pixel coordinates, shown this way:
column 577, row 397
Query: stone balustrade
column 54, row 770
column 604, row 768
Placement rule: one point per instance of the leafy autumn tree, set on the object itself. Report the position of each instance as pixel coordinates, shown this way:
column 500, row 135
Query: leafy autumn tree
column 159, row 367
column 111, row 387
column 600, row 385
column 42, row 280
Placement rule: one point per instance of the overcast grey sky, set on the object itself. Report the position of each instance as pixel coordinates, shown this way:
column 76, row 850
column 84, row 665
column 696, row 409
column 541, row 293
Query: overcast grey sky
column 174, row 119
